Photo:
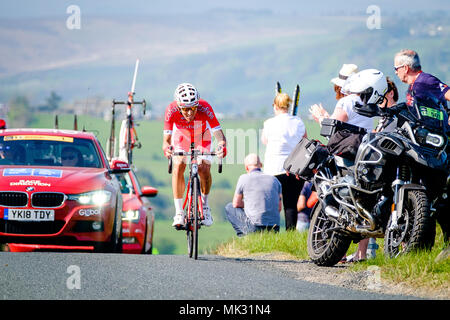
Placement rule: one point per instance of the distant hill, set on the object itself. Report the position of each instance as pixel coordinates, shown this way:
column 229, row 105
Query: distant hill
column 233, row 56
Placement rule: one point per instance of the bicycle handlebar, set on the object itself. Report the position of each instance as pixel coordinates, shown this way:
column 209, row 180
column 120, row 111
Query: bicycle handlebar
column 143, row 102
column 195, row 153
column 184, row 153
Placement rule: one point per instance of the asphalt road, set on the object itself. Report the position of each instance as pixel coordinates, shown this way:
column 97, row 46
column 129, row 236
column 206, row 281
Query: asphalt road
column 88, row 276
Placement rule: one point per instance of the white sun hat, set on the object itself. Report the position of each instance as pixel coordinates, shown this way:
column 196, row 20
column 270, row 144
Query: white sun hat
column 346, row 71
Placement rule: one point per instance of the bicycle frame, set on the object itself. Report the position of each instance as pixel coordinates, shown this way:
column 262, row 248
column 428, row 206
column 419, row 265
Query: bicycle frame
column 190, row 191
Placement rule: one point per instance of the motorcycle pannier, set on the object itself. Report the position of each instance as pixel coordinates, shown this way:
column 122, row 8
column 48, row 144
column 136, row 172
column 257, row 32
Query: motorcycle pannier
column 305, row 157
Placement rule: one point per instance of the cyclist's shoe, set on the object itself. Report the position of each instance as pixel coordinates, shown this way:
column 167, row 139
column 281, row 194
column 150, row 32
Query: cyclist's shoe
column 178, row 220
column 208, row 217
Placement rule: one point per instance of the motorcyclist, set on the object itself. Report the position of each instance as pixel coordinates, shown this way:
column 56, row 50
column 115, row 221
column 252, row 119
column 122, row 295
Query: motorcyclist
column 371, row 86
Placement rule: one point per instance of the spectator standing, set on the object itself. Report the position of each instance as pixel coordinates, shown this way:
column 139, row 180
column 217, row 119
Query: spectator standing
column 257, row 200
column 304, row 212
column 281, row 134
column 422, row 85
column 391, row 100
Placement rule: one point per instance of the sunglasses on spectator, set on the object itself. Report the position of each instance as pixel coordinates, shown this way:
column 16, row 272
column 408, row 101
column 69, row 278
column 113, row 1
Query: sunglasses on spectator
column 396, row 68
column 69, row 157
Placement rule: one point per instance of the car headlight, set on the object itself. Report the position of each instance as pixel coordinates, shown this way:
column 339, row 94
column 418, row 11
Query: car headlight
column 130, row 215
column 98, row 198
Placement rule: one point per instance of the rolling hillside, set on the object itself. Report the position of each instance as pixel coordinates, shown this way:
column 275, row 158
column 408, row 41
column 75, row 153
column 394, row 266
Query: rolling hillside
column 233, row 56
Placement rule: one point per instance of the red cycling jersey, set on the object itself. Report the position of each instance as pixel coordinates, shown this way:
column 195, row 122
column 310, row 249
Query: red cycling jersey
column 197, row 131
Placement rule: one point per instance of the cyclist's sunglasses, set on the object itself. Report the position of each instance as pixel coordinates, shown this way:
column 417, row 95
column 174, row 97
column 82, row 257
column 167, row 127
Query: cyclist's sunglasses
column 186, row 109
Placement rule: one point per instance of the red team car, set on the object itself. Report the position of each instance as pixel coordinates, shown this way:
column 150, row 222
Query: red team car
column 57, row 191
column 137, row 215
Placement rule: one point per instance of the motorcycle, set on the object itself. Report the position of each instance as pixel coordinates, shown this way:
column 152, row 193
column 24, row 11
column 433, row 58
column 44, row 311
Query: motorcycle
column 394, row 187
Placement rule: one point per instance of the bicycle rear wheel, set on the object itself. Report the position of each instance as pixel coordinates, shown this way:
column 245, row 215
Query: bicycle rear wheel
column 190, row 240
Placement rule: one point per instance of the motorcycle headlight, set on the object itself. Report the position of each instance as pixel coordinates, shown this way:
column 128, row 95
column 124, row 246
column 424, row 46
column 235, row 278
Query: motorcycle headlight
column 130, row 215
column 434, row 140
column 98, row 198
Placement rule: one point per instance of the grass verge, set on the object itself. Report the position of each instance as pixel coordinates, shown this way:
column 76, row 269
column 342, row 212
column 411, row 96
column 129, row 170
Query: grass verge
column 414, row 270
column 291, row 243
column 417, row 269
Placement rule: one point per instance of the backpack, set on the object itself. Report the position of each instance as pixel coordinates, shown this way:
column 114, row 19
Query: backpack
column 345, row 144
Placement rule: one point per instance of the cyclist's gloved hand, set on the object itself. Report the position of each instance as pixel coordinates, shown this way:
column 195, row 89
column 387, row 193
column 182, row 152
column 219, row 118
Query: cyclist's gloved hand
column 222, row 149
column 168, row 151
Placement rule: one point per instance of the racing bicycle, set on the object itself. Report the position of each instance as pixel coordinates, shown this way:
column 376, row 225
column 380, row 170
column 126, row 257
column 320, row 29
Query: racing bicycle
column 193, row 200
column 128, row 138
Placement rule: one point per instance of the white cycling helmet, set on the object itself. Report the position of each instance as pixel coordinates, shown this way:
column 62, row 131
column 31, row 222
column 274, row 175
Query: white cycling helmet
column 186, row 95
column 370, row 84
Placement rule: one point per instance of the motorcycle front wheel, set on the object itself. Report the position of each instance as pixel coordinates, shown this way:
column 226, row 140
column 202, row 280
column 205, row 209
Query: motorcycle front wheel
column 416, row 228
column 325, row 248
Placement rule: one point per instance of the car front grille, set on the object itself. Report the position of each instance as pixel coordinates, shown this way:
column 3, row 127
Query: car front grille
column 13, row 199
column 31, row 227
column 47, row 200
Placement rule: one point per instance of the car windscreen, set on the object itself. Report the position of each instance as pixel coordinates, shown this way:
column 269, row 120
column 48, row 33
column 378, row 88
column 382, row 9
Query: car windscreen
column 126, row 185
column 48, row 150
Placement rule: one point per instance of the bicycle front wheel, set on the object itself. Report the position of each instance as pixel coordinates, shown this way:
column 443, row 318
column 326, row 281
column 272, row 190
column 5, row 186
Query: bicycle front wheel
column 192, row 220
column 195, row 214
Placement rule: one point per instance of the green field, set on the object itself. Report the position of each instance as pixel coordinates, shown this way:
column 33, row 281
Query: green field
column 168, row 240
column 151, row 167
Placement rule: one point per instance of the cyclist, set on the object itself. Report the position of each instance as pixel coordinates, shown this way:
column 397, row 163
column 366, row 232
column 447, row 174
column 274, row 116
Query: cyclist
column 191, row 119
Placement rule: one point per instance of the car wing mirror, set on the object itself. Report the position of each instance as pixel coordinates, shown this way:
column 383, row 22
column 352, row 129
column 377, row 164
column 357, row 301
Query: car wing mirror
column 149, row 191
column 119, row 166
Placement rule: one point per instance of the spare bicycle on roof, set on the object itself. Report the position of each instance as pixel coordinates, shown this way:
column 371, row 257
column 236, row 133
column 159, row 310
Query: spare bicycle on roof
column 128, row 138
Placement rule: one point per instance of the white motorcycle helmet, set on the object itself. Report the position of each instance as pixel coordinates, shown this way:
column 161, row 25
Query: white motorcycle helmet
column 186, row 95
column 370, row 84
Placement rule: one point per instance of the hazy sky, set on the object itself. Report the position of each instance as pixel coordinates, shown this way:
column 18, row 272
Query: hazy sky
column 41, row 55
column 46, row 8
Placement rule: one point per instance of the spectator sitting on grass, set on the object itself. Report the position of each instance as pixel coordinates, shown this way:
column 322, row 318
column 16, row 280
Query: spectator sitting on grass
column 257, row 200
